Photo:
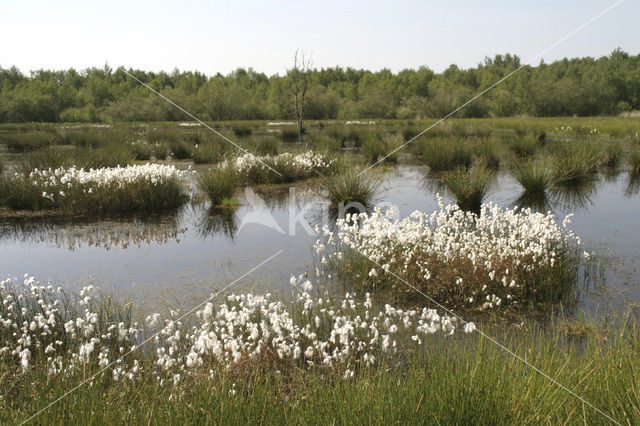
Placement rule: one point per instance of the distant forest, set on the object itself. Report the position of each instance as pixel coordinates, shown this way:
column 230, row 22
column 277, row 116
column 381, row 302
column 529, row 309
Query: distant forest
column 583, row 86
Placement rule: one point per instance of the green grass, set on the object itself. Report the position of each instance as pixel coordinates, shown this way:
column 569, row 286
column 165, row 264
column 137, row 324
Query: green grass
column 458, row 379
column 534, row 176
column 634, row 160
column 218, row 184
column 575, row 163
column 87, row 158
column 349, row 186
column 444, row 154
column 210, row 152
column 525, row 146
column 240, row 130
column 470, row 186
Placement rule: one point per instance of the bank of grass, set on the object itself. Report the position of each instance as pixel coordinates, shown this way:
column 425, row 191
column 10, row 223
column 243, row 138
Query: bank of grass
column 145, row 194
column 81, row 157
column 459, row 379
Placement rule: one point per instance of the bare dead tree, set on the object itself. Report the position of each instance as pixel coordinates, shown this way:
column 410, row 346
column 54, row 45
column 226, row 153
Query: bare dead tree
column 300, row 79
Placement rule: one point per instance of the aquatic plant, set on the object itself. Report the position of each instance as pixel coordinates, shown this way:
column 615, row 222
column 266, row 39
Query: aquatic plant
column 240, row 130
column 634, row 160
column 350, row 186
column 574, row 164
column 218, row 184
column 291, row 167
column 501, row 259
column 69, row 333
column 469, row 186
column 534, row 176
column 524, row 146
column 210, row 152
column 445, row 154
column 82, row 158
column 117, row 190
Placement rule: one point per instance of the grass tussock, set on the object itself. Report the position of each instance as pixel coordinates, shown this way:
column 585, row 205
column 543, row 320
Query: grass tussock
column 470, row 186
column 535, row 177
column 349, row 186
column 575, row 164
column 445, row 154
column 218, row 184
column 524, row 146
column 210, row 152
column 634, row 160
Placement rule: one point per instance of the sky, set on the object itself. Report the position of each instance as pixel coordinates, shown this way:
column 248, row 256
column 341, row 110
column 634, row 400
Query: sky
column 221, row 36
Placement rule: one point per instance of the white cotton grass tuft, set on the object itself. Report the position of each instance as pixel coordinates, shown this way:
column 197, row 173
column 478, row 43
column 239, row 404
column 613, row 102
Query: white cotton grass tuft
column 309, row 331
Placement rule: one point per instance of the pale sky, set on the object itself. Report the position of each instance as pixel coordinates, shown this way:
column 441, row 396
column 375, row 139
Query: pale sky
column 221, row 36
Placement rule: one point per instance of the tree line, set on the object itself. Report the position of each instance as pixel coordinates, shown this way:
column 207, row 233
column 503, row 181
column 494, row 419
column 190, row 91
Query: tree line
column 581, row 86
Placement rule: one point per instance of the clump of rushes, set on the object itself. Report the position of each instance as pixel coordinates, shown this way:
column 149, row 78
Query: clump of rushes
column 141, row 150
column 634, row 160
column 289, row 135
column 209, row 153
column 445, row 154
column 351, row 186
column 487, row 152
column 525, row 146
column 470, row 186
column 610, row 155
column 180, row 150
column 534, row 176
column 81, row 158
column 574, row 164
column 241, row 130
column 218, row 184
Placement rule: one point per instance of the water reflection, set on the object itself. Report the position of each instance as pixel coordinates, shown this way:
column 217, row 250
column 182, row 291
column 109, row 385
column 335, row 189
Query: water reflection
column 576, row 197
column 218, row 221
column 633, row 185
column 536, row 202
column 73, row 234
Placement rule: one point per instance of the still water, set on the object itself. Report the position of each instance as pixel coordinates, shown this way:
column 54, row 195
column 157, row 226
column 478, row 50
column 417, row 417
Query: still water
column 179, row 260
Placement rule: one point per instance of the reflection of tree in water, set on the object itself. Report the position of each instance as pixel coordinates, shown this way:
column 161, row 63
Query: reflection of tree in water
column 216, row 221
column 74, row 234
column 633, row 185
column 576, row 196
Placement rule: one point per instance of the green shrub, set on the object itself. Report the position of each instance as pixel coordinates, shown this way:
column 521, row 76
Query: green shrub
column 218, row 184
